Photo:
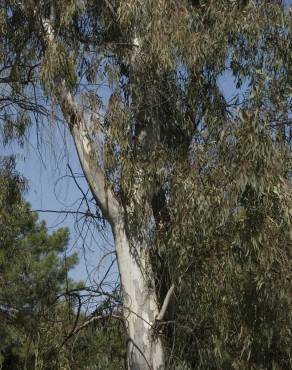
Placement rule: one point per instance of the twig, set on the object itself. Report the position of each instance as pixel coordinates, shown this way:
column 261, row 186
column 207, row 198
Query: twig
column 140, row 351
column 109, row 5
column 86, row 323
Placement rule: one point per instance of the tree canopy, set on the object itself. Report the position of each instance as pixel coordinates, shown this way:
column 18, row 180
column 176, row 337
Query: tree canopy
column 195, row 180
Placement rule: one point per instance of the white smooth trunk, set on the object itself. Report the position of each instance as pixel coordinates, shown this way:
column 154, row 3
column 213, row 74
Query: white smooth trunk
column 140, row 307
column 145, row 348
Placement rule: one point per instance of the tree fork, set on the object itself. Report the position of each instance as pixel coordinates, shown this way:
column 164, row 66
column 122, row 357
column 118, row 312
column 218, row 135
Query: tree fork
column 140, row 306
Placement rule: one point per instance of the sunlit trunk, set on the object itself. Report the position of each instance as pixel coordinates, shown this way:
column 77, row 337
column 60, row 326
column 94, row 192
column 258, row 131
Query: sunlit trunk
column 145, row 348
column 140, row 307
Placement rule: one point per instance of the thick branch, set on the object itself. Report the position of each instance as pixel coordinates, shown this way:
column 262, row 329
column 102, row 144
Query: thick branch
column 77, row 123
column 103, row 195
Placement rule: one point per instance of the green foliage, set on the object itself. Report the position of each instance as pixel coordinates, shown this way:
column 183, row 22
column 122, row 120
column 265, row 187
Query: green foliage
column 213, row 169
column 236, row 262
column 100, row 346
column 33, row 274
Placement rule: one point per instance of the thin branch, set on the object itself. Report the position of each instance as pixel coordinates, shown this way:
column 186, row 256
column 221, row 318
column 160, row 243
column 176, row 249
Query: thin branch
column 78, row 186
column 107, row 272
column 88, row 322
column 92, row 290
column 139, row 350
column 111, row 8
column 94, row 318
column 86, row 214
column 75, row 321
column 165, row 304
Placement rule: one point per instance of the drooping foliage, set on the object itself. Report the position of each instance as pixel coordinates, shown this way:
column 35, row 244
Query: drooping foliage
column 214, row 162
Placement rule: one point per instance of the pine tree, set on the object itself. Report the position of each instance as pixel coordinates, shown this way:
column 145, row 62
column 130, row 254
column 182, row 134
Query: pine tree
column 40, row 318
column 32, row 274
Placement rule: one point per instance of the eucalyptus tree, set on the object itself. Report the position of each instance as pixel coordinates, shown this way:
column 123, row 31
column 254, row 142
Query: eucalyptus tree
column 194, row 181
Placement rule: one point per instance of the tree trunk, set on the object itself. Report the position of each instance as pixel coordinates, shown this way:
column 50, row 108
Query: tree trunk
column 145, row 348
column 140, row 306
